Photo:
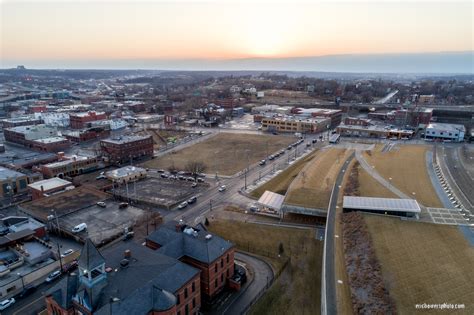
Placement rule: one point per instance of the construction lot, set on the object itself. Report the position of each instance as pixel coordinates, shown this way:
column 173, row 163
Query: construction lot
column 423, row 262
column 78, row 206
column 160, row 192
column 313, row 185
column 224, row 153
column 404, row 166
column 162, row 137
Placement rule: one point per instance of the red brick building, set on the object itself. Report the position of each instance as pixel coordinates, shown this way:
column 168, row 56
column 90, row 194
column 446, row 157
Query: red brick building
column 126, row 148
column 209, row 253
column 69, row 166
column 137, row 280
column 79, row 136
column 355, row 121
column 39, row 138
column 79, row 120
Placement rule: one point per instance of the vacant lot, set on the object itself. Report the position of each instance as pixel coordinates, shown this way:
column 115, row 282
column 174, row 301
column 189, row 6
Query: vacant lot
column 423, row 262
column 406, row 166
column 280, row 183
column 297, row 290
column 225, row 153
column 312, row 188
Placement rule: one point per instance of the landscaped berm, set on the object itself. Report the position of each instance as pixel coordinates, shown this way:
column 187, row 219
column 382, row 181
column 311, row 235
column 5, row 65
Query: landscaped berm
column 423, row 263
column 225, row 153
column 312, row 187
column 298, row 289
column 405, row 168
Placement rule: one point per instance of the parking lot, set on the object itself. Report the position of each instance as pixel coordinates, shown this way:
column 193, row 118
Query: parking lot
column 103, row 223
column 160, row 192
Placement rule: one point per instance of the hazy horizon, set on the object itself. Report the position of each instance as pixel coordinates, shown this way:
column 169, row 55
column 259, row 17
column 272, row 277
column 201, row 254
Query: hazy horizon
column 223, row 35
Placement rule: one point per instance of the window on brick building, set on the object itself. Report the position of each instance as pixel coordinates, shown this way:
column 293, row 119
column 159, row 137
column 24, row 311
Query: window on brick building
column 222, row 262
column 215, row 283
column 227, row 258
column 215, row 267
column 193, row 287
column 186, row 309
column 222, row 277
column 185, row 293
column 227, row 273
column 178, row 300
column 194, row 302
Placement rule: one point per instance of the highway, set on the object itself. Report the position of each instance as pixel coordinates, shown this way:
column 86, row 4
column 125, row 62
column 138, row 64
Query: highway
column 328, row 289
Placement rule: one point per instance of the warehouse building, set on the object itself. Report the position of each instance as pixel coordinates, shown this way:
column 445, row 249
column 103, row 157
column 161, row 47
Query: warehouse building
column 387, row 206
column 292, row 124
column 445, row 132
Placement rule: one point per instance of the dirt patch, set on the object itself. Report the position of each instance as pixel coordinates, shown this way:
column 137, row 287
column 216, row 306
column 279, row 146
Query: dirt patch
column 225, row 153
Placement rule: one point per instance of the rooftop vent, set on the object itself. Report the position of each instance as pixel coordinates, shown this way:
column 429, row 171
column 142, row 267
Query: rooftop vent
column 208, row 236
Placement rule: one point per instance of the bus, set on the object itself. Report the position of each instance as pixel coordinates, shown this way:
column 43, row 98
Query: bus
column 334, row 138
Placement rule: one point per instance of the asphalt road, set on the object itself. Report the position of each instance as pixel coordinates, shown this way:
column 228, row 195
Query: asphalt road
column 460, row 175
column 328, row 289
column 262, row 275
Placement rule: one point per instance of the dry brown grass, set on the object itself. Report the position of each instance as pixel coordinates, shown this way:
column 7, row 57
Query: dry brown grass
column 312, row 188
column 423, row 262
column 407, row 167
column 280, row 183
column 298, row 289
column 225, row 153
column 369, row 187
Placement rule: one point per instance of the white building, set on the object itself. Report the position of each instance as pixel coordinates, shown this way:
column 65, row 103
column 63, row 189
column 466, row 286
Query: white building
column 126, row 174
column 445, row 132
column 54, row 119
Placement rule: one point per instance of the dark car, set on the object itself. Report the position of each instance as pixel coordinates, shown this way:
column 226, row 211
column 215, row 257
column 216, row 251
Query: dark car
column 192, row 200
column 27, row 291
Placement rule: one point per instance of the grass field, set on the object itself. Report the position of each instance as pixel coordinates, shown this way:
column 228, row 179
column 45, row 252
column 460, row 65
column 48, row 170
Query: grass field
column 312, row 187
column 297, row 290
column 423, row 263
column 225, row 153
column 407, row 167
column 364, row 184
column 280, row 183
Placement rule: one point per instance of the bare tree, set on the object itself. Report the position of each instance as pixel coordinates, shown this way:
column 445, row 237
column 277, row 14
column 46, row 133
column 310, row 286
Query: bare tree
column 195, row 167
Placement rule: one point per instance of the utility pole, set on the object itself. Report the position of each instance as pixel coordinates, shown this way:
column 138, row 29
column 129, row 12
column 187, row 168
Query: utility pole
column 60, row 259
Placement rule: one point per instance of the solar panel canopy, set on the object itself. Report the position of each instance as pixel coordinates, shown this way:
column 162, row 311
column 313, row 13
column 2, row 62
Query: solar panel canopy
column 382, row 204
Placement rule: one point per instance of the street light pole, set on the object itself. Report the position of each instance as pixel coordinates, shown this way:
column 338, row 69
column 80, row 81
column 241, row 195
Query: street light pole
column 210, row 204
column 60, row 259
column 22, row 282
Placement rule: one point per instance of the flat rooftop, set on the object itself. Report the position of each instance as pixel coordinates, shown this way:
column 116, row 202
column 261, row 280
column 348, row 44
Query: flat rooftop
column 381, row 204
column 6, row 173
column 125, row 139
column 447, row 127
column 51, row 183
column 125, row 171
column 87, row 114
column 70, row 159
column 51, row 140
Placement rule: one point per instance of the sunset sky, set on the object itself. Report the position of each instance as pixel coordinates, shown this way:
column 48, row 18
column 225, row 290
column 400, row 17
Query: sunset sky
column 52, row 33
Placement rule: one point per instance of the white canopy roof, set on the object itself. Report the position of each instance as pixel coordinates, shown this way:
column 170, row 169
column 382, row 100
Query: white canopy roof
column 271, row 200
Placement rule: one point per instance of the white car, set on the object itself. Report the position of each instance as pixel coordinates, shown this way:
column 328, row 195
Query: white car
column 67, row 252
column 222, row 188
column 53, row 276
column 6, row 303
column 183, row 205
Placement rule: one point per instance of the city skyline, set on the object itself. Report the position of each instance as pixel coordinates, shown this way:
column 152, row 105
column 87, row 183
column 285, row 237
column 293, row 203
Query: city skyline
column 113, row 34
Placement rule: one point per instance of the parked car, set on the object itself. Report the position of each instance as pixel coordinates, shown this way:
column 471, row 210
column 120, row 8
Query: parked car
column 200, row 180
column 123, row 205
column 79, row 228
column 101, row 204
column 101, row 177
column 194, row 185
column 6, row 303
column 67, row 252
column 222, row 188
column 128, row 236
column 254, row 208
column 183, row 205
column 192, row 200
column 164, row 175
column 314, row 140
column 262, row 162
column 53, row 276
column 160, row 171
column 71, row 266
